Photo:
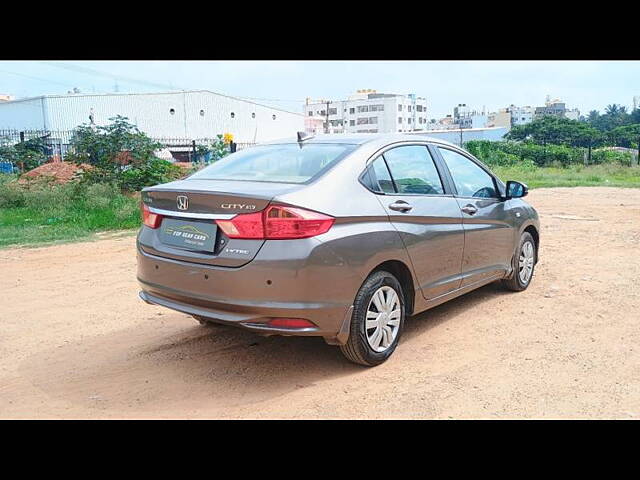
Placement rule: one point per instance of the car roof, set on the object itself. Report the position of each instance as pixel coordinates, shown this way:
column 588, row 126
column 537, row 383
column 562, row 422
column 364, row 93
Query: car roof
column 362, row 138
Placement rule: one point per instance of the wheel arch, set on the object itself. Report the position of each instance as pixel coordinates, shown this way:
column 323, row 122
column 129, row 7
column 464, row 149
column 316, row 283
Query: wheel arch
column 533, row 231
column 402, row 272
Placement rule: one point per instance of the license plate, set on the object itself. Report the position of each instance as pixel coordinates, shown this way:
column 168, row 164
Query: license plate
column 191, row 235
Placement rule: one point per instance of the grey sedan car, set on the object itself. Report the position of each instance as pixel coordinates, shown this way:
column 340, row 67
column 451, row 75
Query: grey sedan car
column 336, row 236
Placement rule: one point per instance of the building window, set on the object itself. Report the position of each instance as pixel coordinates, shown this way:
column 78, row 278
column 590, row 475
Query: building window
column 233, row 115
column 399, row 119
column 363, row 108
column 273, row 117
column 172, row 111
column 202, row 113
column 352, row 110
column 253, row 115
column 419, row 108
column 408, row 120
column 311, row 113
column 352, row 123
column 409, row 108
column 399, row 108
column 333, row 111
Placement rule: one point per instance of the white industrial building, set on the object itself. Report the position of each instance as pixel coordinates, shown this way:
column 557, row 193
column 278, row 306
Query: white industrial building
column 459, row 136
column 371, row 112
column 180, row 114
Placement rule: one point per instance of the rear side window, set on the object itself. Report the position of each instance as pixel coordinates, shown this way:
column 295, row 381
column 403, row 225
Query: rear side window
column 377, row 177
column 287, row 163
column 413, row 170
column 470, row 180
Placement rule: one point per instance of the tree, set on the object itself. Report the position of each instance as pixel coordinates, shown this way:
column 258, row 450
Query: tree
column 612, row 110
column 120, row 154
column 625, row 136
column 556, row 130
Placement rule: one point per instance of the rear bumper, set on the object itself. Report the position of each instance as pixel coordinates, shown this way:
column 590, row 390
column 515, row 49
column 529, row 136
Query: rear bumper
column 308, row 282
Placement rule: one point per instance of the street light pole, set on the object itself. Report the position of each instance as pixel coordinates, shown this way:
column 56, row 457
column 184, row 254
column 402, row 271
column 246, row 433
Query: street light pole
column 326, row 129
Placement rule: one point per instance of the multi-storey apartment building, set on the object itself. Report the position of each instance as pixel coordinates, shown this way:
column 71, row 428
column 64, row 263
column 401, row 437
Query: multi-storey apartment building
column 558, row 108
column 464, row 117
column 368, row 111
column 520, row 115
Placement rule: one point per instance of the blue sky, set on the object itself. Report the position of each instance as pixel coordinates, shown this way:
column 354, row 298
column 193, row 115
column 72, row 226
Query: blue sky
column 587, row 85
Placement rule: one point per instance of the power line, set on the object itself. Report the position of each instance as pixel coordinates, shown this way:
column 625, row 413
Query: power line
column 92, row 71
column 35, row 78
column 126, row 79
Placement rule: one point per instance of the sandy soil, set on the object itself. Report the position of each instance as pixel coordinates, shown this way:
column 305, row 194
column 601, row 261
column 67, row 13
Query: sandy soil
column 76, row 342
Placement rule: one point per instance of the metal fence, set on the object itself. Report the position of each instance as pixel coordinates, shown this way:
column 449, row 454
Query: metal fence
column 57, row 143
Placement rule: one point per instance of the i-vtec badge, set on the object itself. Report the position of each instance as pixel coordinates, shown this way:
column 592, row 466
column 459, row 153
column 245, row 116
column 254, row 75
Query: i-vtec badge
column 237, row 206
column 236, row 251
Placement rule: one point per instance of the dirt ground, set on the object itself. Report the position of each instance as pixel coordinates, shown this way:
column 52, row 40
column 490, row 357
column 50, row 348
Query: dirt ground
column 76, row 342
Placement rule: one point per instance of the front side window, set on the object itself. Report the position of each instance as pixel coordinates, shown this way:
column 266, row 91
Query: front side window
column 470, row 180
column 413, row 170
column 288, row 163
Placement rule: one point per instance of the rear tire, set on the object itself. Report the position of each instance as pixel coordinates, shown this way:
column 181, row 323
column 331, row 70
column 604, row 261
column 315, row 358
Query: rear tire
column 524, row 261
column 376, row 323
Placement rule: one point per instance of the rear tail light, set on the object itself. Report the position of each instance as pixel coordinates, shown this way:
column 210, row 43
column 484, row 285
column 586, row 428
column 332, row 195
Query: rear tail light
column 247, row 225
column 277, row 223
column 151, row 220
column 290, row 323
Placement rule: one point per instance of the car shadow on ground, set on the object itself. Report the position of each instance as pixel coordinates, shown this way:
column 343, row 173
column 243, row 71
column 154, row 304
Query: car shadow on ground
column 217, row 366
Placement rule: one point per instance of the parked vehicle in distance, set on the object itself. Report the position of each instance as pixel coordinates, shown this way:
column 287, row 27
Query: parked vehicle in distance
column 337, row 236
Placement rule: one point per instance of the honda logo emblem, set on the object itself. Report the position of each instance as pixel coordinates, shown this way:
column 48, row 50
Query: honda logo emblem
column 182, row 201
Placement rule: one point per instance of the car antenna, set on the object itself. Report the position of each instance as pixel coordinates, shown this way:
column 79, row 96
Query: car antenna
column 302, row 136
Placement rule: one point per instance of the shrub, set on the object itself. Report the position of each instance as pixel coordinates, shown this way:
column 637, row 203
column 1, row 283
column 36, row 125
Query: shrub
column 26, row 155
column 121, row 154
column 151, row 173
column 509, row 153
column 11, row 193
column 604, row 156
column 214, row 151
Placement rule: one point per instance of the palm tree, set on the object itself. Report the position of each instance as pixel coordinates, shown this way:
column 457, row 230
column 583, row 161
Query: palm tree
column 612, row 110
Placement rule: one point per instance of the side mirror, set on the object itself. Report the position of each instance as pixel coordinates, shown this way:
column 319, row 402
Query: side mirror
column 516, row 190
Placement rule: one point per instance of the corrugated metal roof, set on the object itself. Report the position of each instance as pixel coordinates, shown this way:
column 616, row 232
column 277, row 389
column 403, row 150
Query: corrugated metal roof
column 119, row 94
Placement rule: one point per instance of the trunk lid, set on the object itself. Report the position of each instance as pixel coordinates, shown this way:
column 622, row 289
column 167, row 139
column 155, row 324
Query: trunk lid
column 206, row 201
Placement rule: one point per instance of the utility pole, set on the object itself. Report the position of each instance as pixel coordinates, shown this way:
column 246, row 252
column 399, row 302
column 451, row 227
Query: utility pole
column 326, row 129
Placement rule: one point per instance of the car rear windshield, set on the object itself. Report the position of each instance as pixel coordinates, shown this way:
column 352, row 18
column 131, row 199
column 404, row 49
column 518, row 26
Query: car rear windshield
column 286, row 163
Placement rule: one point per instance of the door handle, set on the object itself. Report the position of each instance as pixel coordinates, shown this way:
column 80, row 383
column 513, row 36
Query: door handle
column 400, row 206
column 469, row 209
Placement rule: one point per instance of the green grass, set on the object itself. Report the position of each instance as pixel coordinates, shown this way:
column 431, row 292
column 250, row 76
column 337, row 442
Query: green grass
column 572, row 176
column 51, row 214
column 48, row 214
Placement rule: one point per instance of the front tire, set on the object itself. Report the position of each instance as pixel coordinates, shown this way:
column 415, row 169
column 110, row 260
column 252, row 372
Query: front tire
column 377, row 320
column 524, row 264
